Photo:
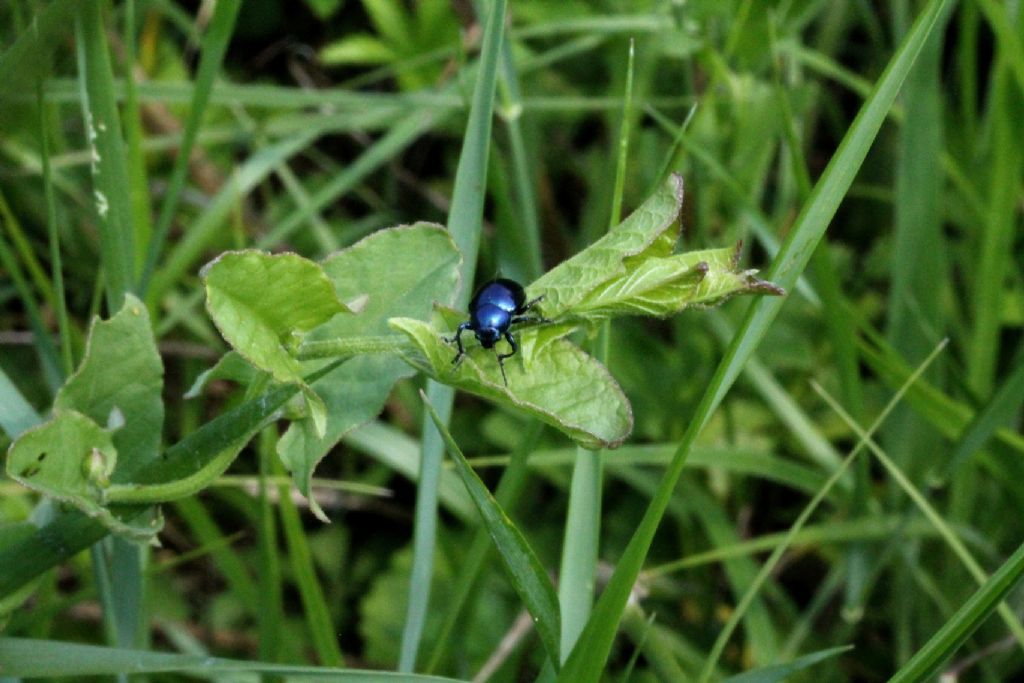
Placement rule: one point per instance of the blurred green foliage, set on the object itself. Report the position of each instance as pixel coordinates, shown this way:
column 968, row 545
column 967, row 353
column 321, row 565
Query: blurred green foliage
column 328, row 121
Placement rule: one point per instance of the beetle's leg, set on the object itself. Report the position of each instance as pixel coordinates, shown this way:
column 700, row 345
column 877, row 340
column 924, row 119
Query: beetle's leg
column 458, row 340
column 530, row 318
column 531, row 303
column 535, row 319
column 502, row 356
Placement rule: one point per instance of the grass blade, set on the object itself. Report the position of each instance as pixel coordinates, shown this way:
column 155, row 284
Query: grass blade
column 318, row 619
column 996, row 251
column 933, row 516
column 773, row 560
column 48, row 356
column 958, row 628
column 464, row 221
column 781, row 672
column 581, row 541
column 996, row 414
column 22, row 657
column 528, row 577
column 19, row 64
column 18, row 414
column 56, row 265
column 476, row 560
column 215, row 44
column 109, row 170
column 588, row 657
column 518, row 246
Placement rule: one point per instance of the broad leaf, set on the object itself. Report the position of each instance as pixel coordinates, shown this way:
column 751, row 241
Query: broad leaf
column 71, row 458
column 263, row 303
column 121, row 379
column 663, row 286
column 650, row 231
column 396, row 272
column 107, row 423
column 556, row 381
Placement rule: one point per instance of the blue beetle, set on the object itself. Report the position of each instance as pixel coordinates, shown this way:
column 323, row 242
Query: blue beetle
column 495, row 307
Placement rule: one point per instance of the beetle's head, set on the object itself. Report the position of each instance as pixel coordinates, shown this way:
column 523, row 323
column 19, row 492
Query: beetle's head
column 487, row 336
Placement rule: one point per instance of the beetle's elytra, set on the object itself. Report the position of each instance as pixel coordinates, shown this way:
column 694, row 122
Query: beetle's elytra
column 493, row 310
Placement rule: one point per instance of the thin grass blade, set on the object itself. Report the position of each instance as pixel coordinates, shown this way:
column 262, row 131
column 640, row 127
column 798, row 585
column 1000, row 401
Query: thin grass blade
column 464, row 221
column 528, row 576
column 109, row 169
column 215, row 44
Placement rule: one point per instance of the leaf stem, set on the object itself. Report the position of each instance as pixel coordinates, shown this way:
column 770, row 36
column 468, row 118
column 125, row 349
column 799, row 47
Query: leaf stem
column 346, row 347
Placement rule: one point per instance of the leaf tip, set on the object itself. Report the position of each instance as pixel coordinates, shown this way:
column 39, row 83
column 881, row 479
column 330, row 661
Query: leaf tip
column 317, row 511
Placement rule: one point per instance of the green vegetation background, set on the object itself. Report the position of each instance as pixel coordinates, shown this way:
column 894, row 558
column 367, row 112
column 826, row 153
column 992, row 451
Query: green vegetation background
column 312, row 124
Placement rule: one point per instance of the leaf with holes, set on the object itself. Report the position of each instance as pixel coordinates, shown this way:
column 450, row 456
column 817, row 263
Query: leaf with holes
column 71, row 458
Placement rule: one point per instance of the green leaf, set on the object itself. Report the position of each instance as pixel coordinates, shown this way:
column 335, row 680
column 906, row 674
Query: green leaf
column 780, row 672
column 324, row 9
column 528, row 575
column 118, row 384
column 664, row 286
column 391, row 20
column 259, row 301
column 401, row 272
column 71, row 458
column 262, row 303
column 650, row 231
column 121, row 378
column 199, row 234
column 553, row 380
column 632, row 271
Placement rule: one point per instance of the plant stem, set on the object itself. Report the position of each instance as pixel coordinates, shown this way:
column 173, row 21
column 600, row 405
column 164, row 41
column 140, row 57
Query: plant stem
column 345, row 347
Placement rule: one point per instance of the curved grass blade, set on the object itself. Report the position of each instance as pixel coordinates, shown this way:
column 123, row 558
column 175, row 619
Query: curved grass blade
column 528, row 576
column 769, row 566
column 780, row 672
